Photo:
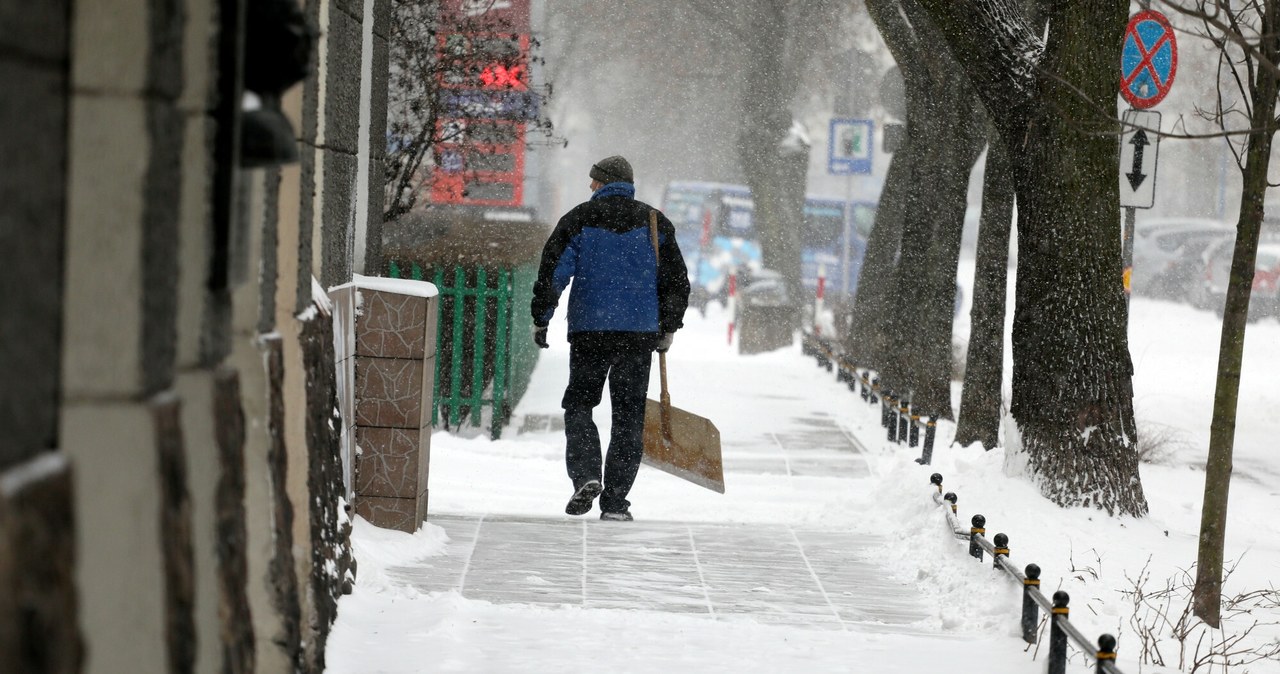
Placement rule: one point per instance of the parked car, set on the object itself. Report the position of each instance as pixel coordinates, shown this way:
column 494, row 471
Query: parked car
column 1264, row 298
column 1168, row 256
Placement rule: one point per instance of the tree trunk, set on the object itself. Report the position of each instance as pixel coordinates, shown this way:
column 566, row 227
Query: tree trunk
column 925, row 362
column 769, row 170
column 867, row 341
column 941, row 115
column 1072, row 377
column 1217, row 481
column 980, row 398
column 1072, row 385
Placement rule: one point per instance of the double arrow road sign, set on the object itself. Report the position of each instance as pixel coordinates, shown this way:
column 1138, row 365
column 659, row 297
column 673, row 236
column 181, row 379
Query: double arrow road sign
column 1138, row 147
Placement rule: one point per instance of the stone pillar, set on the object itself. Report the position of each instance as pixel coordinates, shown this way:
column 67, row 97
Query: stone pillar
column 393, row 366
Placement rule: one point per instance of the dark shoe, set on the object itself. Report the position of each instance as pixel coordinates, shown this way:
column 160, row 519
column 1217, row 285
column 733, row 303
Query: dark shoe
column 624, row 516
column 582, row 499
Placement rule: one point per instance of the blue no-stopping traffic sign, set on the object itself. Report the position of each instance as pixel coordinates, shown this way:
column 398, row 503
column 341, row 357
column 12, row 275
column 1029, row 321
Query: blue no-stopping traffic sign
column 1148, row 60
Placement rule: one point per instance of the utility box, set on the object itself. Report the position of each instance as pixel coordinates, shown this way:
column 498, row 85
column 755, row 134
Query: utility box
column 385, row 340
column 766, row 317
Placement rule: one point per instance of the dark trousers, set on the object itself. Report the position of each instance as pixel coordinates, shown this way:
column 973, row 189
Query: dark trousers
column 625, row 364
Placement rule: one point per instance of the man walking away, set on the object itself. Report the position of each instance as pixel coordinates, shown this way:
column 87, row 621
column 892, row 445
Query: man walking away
column 624, row 305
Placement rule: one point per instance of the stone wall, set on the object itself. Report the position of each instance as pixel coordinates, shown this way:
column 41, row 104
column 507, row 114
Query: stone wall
column 38, row 632
column 171, row 491
column 328, row 511
column 39, row 626
column 119, row 416
column 33, row 136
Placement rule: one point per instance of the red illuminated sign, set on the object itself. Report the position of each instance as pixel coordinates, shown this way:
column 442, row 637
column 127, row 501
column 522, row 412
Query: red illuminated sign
column 498, row 76
column 485, row 96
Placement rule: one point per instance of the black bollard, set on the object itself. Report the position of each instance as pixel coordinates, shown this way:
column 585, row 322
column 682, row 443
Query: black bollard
column 864, row 385
column 929, row 428
column 875, row 390
column 914, row 435
column 891, row 419
column 978, row 522
column 936, row 480
column 1058, row 634
column 1106, row 652
column 904, row 418
column 1001, row 549
column 950, row 497
column 1030, row 609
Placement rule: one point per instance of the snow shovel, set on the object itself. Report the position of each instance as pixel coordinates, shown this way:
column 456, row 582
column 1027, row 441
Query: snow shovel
column 675, row 441
column 678, row 442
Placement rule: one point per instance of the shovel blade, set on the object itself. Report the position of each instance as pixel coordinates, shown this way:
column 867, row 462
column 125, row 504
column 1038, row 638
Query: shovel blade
column 690, row 451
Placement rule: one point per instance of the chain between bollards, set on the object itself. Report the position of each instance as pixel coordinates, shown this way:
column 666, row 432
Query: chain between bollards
column 1061, row 629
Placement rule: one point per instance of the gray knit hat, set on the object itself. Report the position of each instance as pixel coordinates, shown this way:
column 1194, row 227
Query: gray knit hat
column 613, row 169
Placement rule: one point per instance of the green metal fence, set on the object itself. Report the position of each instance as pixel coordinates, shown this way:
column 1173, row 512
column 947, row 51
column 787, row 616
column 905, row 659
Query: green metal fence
column 484, row 352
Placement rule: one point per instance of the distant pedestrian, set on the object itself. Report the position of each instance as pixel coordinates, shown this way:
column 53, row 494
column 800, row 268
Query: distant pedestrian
column 624, row 304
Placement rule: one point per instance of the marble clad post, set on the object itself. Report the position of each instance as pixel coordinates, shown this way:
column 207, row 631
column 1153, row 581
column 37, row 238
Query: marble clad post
column 389, row 372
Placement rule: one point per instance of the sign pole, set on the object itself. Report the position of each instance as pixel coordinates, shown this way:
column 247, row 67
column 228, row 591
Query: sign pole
column 848, row 235
column 1148, row 65
column 1130, row 218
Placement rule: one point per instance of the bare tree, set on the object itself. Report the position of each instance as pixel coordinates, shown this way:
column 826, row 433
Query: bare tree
column 1248, row 38
column 777, row 38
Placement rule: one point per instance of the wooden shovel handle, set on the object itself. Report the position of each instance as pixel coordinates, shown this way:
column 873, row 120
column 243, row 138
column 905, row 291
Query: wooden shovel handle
column 665, row 401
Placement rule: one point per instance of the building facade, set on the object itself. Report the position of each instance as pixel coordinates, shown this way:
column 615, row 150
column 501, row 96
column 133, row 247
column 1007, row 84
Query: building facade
column 171, row 495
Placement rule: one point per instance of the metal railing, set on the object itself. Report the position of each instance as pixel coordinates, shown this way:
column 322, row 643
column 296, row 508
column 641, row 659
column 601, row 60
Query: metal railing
column 484, row 357
column 1061, row 630
column 901, row 420
column 903, row 423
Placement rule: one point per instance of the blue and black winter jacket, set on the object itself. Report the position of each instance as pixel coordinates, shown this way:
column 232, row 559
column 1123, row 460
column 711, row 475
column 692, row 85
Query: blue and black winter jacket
column 604, row 247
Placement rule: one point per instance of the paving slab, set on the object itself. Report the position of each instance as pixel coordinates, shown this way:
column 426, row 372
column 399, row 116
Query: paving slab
column 769, row 573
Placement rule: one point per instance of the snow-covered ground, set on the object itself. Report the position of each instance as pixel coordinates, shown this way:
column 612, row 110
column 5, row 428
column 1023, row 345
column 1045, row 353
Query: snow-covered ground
column 970, row 614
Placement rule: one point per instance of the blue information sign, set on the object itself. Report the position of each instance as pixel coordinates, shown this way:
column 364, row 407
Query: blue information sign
column 849, row 146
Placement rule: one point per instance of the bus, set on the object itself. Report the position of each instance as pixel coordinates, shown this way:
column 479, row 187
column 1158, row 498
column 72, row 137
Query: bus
column 715, row 230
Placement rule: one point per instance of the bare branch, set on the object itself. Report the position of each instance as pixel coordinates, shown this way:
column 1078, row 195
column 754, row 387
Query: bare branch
column 1228, row 29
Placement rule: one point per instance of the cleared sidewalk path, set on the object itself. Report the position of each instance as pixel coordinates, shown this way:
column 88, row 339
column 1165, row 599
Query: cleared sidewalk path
column 767, row 572
column 773, row 574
